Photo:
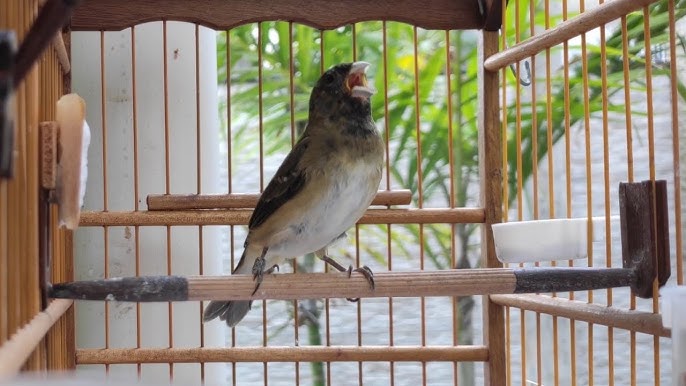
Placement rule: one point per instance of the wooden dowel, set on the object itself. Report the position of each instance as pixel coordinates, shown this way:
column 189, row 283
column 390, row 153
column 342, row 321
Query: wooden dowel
column 54, row 14
column 637, row 321
column 62, row 55
column 241, row 217
column 248, row 200
column 593, row 18
column 454, row 282
column 15, row 351
column 284, row 354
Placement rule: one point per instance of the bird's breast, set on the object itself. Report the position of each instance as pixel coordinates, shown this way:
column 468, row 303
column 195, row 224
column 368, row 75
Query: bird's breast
column 346, row 193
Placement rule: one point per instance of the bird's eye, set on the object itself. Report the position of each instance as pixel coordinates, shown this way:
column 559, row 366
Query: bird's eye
column 328, row 78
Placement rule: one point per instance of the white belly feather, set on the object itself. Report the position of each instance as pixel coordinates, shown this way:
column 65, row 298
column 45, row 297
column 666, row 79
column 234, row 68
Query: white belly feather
column 326, row 217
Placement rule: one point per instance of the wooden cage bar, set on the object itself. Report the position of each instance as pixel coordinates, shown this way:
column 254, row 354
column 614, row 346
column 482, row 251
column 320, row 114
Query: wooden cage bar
column 28, row 221
column 490, row 187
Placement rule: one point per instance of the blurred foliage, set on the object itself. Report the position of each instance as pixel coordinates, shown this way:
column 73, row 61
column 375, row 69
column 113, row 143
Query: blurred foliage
column 393, row 75
column 567, row 97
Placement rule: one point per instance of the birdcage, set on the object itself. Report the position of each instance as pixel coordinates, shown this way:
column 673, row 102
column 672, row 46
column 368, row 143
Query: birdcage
column 527, row 228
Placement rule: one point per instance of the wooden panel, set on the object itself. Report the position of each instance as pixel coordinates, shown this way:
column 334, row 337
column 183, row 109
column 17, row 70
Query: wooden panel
column 19, row 243
column 493, row 11
column 20, row 289
column 323, row 14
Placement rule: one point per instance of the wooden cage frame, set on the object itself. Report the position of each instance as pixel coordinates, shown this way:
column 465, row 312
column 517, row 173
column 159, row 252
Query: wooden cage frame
column 50, row 79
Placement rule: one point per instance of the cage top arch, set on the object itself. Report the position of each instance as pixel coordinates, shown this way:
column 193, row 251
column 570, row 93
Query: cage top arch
column 113, row 15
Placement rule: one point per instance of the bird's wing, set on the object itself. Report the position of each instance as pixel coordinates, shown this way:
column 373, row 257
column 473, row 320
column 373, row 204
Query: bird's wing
column 286, row 183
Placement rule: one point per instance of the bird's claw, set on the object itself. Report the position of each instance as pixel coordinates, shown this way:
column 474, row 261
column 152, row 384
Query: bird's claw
column 367, row 273
column 258, row 272
column 273, row 268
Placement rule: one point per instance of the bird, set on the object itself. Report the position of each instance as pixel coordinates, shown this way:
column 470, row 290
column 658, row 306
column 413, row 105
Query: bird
column 322, row 188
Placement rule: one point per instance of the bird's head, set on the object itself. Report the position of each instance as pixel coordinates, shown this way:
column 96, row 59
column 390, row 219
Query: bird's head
column 344, row 84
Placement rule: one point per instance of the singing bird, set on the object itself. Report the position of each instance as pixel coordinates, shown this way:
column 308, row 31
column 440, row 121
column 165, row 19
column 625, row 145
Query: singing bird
column 321, row 189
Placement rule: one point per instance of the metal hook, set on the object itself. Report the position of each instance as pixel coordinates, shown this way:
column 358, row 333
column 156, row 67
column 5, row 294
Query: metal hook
column 526, row 80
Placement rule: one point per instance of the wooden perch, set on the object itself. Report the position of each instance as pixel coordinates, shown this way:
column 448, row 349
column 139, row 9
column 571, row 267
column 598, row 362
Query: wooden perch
column 631, row 320
column 243, row 200
column 582, row 23
column 241, row 217
column 284, row 354
column 454, row 282
column 62, row 55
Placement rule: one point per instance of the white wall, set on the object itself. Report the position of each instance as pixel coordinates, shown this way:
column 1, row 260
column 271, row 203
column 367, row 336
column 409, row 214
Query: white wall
column 119, row 121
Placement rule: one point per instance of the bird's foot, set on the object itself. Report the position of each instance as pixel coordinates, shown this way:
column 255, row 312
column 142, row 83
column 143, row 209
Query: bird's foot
column 364, row 270
column 258, row 270
column 367, row 273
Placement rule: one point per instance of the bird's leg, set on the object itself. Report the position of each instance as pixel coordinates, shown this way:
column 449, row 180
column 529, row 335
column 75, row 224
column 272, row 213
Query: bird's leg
column 334, row 263
column 258, row 269
column 364, row 270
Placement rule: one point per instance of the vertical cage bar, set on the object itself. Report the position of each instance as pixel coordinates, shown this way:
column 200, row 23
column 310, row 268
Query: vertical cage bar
column 291, row 96
column 167, row 182
column 675, row 144
column 198, row 164
column 490, row 186
column 534, row 175
column 651, row 163
column 451, row 168
column 103, row 117
column 420, row 190
column 389, row 230
column 505, row 185
column 136, row 185
column 519, row 178
column 260, row 106
column 589, row 185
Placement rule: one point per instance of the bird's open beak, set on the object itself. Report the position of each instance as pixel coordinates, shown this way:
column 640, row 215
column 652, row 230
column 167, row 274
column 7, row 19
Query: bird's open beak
column 356, row 83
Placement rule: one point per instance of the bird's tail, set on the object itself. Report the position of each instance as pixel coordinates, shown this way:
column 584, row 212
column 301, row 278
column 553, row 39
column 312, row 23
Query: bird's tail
column 232, row 311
